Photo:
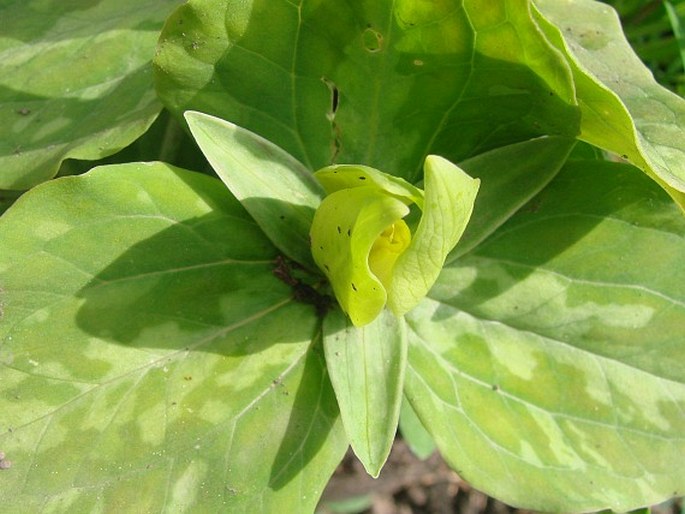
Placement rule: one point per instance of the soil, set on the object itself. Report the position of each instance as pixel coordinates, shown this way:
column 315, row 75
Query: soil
column 408, row 485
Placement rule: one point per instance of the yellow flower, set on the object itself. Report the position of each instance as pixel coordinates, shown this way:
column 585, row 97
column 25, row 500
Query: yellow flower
column 362, row 243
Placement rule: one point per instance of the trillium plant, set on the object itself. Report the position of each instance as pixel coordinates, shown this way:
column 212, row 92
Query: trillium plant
column 314, row 225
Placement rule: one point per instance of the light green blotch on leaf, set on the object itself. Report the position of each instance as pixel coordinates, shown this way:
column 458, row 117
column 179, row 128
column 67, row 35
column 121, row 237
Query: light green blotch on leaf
column 187, row 486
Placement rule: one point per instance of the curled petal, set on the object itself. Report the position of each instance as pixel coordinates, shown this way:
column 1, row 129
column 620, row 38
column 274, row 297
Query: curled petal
column 389, row 245
column 345, row 227
column 450, row 195
column 345, row 176
column 365, row 248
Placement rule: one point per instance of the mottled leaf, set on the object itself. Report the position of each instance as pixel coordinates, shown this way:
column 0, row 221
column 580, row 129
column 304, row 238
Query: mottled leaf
column 549, row 362
column 75, row 81
column 624, row 109
column 381, row 83
column 366, row 366
column 145, row 364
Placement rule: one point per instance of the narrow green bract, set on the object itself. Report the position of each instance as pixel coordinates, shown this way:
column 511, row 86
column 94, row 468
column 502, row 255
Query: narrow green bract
column 361, row 242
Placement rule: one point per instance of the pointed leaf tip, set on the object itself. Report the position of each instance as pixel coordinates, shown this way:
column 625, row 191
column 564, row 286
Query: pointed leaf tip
column 277, row 190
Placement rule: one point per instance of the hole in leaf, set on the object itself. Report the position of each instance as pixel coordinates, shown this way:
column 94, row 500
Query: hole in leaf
column 335, row 97
column 372, row 40
column 336, row 143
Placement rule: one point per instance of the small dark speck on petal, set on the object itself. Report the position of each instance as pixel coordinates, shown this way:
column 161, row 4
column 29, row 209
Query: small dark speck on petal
column 339, row 230
column 353, row 286
column 362, row 178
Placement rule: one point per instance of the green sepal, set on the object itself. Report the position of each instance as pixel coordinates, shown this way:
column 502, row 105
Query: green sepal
column 278, row 191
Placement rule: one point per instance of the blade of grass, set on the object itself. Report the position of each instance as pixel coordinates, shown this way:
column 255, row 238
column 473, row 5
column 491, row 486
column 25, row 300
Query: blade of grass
column 677, row 25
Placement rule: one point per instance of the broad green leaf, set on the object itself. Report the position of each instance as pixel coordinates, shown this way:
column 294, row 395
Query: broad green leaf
column 366, row 366
column 279, row 193
column 509, row 177
column 379, row 82
column 143, row 359
column 548, row 363
column 75, row 82
column 624, row 109
column 448, row 202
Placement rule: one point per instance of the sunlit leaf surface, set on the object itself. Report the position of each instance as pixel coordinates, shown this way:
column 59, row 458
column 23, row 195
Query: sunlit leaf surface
column 624, row 109
column 381, row 83
column 144, row 364
column 548, row 363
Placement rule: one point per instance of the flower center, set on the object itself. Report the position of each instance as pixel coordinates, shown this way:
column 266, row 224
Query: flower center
column 387, row 247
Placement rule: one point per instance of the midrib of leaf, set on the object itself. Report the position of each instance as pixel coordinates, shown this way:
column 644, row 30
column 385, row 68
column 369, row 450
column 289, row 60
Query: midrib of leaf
column 367, row 407
column 293, row 87
column 63, row 298
column 446, row 115
column 293, row 76
column 374, row 115
column 207, row 265
column 162, row 272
